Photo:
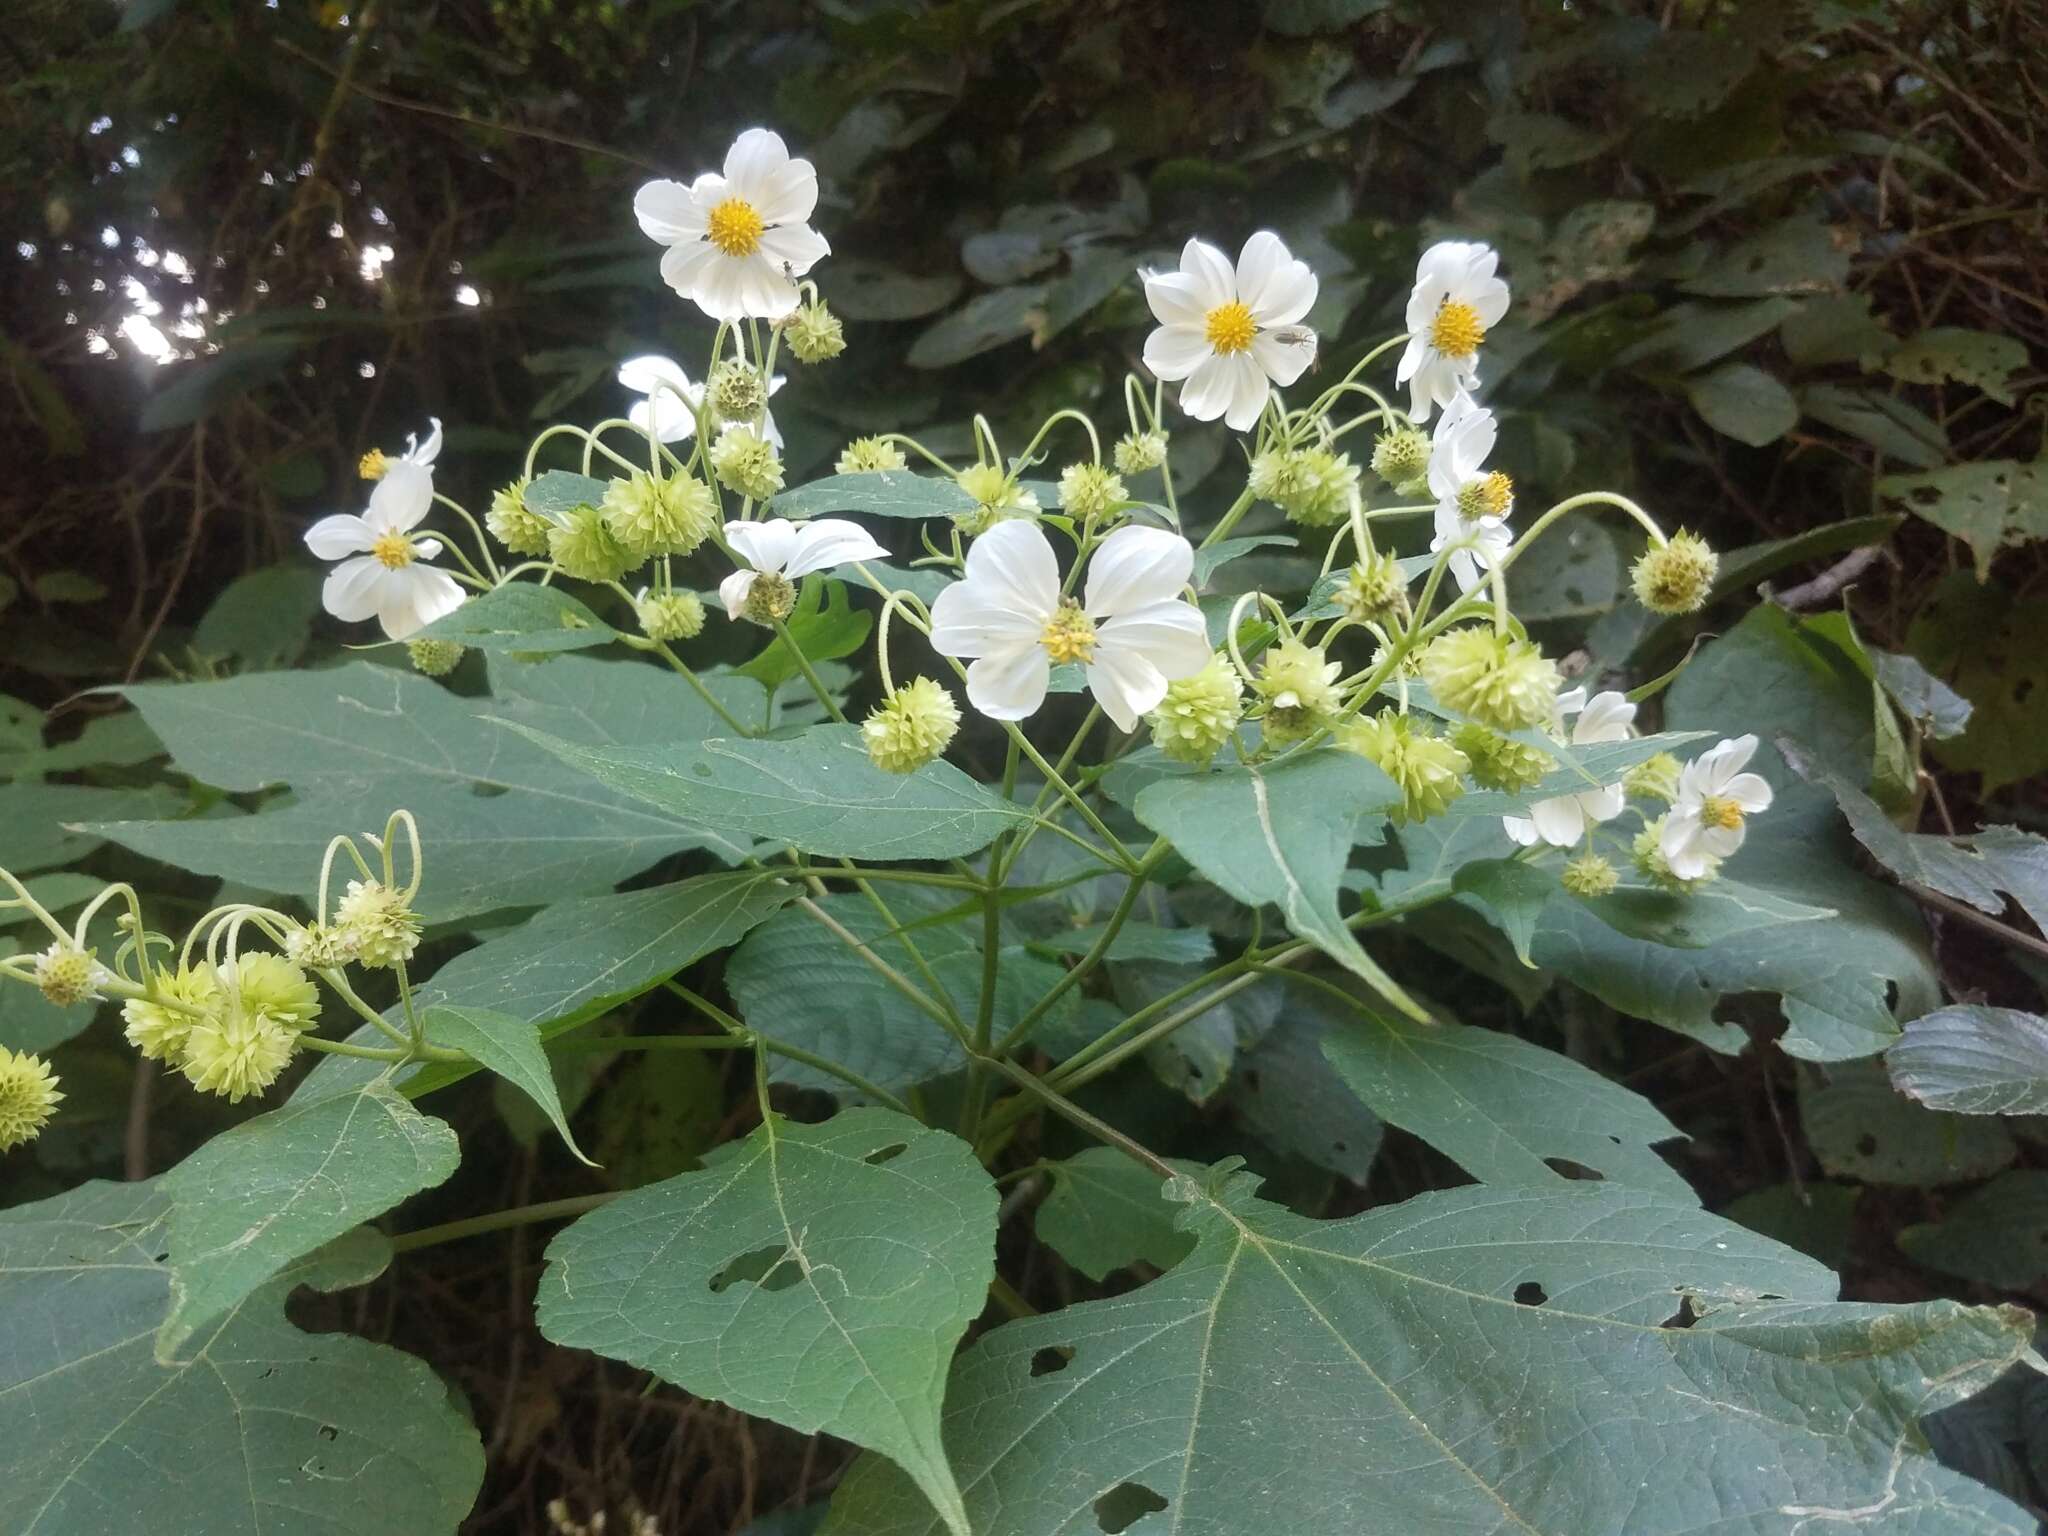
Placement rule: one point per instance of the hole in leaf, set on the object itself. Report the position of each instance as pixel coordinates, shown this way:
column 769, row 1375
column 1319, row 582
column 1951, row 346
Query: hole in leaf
column 769, row 1268
column 1572, row 1170
column 882, row 1155
column 702, row 770
column 1124, row 1506
column 328, row 1432
column 1530, row 1293
column 1684, row 1317
column 1866, row 1145
column 1339, row 1146
column 1050, row 1359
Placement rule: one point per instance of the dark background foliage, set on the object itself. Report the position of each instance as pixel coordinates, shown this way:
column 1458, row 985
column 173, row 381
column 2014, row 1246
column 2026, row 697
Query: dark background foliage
column 1767, row 258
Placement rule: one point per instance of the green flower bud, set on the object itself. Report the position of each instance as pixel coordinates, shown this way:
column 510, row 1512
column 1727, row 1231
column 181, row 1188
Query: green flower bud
column 1427, row 769
column 28, row 1095
column 583, row 546
column 650, row 517
column 911, row 727
column 1498, row 762
column 158, row 1031
column 1401, row 456
column 1676, row 576
column 1198, row 714
column 1299, row 688
column 745, row 462
column 1327, row 490
column 434, row 658
column 1089, row 491
column 997, row 498
column 1654, row 778
column 270, row 984
column 1495, row 679
column 865, row 455
column 319, row 947
column 670, row 615
column 737, row 391
column 1375, row 592
column 1137, row 452
column 1589, row 875
column 521, row 531
column 237, row 1053
column 815, row 334
column 374, row 919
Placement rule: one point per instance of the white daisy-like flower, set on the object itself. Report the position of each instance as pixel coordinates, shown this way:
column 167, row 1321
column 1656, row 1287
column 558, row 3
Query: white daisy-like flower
column 1706, row 820
column 383, row 574
column 1563, row 820
column 778, row 547
column 1231, row 333
column 737, row 242
column 1455, row 302
column 1472, row 505
column 1131, row 631
column 670, row 406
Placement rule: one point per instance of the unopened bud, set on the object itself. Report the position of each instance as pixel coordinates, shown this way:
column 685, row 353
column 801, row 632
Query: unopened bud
column 1677, row 575
column 911, row 727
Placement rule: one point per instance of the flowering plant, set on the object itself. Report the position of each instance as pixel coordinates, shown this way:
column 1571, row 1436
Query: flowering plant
column 1030, row 783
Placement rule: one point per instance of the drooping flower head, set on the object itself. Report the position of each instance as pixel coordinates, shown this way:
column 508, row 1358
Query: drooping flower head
column 780, row 553
column 1705, row 824
column 383, row 572
column 1130, row 631
column 1472, row 505
column 911, row 726
column 737, row 242
column 1231, row 333
column 1455, row 302
column 1564, row 819
column 669, row 402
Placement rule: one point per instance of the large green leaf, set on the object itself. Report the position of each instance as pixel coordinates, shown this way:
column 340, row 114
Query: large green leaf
column 1106, row 1213
column 874, row 493
column 1741, row 401
column 274, row 1188
column 1281, row 835
column 1990, row 505
column 1860, row 1126
column 508, row 1046
column 504, row 823
column 522, row 616
column 575, row 960
column 262, row 1429
column 1974, row 1060
column 1996, row 1236
column 817, row 791
column 817, row 1275
column 1475, row 1361
column 1507, row 1111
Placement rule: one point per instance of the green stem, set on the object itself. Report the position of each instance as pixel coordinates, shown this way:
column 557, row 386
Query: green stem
column 810, row 673
column 498, row 1221
column 661, row 649
column 940, row 1013
column 1021, row 1030
column 1101, row 1129
column 744, row 1036
column 1066, row 792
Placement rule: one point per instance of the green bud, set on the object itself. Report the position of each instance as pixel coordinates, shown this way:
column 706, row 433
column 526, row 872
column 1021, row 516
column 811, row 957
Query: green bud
column 1375, row 592
column 911, row 727
column 670, row 615
column 1089, row 491
column 1401, row 457
column 1499, row 762
column 1299, row 688
column 865, row 455
column 1589, row 875
column 521, row 531
column 1428, row 769
column 745, row 462
column 1677, row 575
column 583, row 546
column 1495, row 679
column 434, row 658
column 1654, row 778
column 815, row 334
column 669, row 516
column 1198, row 714
column 1137, row 452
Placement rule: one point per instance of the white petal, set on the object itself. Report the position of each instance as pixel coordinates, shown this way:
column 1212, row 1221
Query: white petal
column 1750, row 791
column 1284, row 355
column 1680, row 844
column 1570, row 701
column 1214, row 282
column 401, row 498
column 1015, row 562
column 671, row 420
column 733, row 591
column 1411, row 359
column 1729, row 759
column 1520, row 830
column 1177, row 349
column 1721, row 842
column 1276, row 288
column 651, row 372
column 351, row 591
column 791, row 195
column 414, row 598
column 426, row 549
column 766, row 546
column 339, row 536
column 1126, row 684
column 1490, row 300
column 1560, row 822
column 718, row 285
column 796, row 247
column 1170, row 636
column 1134, row 567
column 683, row 267
column 1206, row 394
column 966, row 623
column 667, row 212
column 1604, row 804
column 753, row 164
column 1249, row 388
column 1009, row 686
column 829, row 542
column 430, row 450
column 1607, row 717
column 1427, row 297
column 754, row 284
column 1175, row 297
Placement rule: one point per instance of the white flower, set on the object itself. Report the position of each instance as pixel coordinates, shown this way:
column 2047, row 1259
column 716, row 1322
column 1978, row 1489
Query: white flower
column 737, row 242
column 1714, row 794
column 670, row 408
column 1562, row 821
column 1228, row 333
column 779, row 547
column 1471, row 506
column 1459, row 446
column 382, row 574
column 1131, row 631
column 1455, row 301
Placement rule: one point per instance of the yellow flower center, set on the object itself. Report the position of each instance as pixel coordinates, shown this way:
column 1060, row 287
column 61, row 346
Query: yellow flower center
column 1719, row 811
column 393, row 551
column 1069, row 634
column 1456, row 331
column 1497, row 493
column 1229, row 328
column 373, row 465
column 735, row 228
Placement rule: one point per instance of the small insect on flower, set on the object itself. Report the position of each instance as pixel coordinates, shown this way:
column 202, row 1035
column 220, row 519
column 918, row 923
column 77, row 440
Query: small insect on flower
column 738, row 241
column 1231, row 333
column 1715, row 796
